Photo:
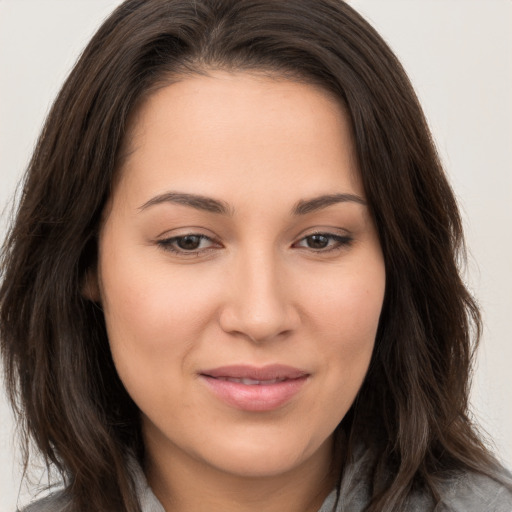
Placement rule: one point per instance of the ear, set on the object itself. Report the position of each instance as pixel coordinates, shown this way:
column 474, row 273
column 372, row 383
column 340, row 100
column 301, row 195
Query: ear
column 90, row 286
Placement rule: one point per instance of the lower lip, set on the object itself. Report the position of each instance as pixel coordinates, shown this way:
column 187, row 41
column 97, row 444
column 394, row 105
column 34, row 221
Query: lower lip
column 256, row 398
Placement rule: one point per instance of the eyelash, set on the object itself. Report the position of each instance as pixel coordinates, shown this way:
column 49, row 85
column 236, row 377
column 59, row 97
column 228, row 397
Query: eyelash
column 169, row 244
column 341, row 241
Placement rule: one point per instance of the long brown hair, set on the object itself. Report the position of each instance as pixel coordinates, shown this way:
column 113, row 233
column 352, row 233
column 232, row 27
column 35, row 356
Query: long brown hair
column 58, row 368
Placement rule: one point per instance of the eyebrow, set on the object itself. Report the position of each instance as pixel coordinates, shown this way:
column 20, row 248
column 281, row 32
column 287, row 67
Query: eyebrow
column 196, row 201
column 208, row 204
column 306, row 206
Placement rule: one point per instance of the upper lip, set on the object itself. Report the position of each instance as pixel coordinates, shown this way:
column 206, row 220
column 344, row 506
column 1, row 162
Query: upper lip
column 269, row 372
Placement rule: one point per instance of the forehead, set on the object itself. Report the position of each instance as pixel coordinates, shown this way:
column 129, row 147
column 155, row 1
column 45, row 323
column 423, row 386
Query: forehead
column 204, row 131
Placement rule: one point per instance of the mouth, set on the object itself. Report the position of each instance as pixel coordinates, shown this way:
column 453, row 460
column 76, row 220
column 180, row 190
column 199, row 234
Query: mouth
column 251, row 382
column 255, row 389
column 254, row 374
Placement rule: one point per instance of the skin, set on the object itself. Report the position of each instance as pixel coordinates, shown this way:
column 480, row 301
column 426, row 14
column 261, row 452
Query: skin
column 256, row 291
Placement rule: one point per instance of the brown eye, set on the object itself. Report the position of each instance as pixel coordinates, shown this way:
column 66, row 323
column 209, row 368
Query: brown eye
column 189, row 242
column 324, row 242
column 317, row 241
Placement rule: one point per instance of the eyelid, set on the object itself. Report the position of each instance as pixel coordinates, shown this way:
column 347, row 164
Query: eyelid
column 167, row 242
column 323, row 230
column 343, row 240
column 186, row 231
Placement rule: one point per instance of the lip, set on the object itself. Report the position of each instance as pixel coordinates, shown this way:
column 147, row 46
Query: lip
column 277, row 385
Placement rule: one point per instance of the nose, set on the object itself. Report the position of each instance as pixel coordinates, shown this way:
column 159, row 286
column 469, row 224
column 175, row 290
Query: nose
column 259, row 304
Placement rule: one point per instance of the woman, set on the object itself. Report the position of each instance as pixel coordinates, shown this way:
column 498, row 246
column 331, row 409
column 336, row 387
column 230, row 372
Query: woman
column 234, row 263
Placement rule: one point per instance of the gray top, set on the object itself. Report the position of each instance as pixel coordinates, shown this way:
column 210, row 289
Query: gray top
column 469, row 492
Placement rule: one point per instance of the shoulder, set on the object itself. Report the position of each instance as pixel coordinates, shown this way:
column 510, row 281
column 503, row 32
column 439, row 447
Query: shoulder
column 56, row 502
column 474, row 492
column 461, row 491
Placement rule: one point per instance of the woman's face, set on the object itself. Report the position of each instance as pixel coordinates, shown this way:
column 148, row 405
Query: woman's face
column 240, row 273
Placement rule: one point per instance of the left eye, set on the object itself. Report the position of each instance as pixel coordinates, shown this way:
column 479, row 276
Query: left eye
column 323, row 241
column 187, row 243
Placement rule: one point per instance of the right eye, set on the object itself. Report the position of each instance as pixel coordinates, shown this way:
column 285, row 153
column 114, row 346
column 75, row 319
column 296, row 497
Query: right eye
column 189, row 244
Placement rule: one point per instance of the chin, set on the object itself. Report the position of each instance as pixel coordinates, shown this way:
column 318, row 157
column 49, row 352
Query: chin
column 260, row 457
column 263, row 465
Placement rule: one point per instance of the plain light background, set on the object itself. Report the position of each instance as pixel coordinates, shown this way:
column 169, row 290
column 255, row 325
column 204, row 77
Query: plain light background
column 458, row 54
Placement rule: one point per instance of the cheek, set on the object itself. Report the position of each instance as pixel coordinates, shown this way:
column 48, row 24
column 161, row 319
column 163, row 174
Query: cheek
column 347, row 303
column 155, row 321
column 151, row 303
column 345, row 318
